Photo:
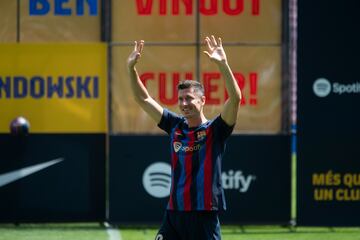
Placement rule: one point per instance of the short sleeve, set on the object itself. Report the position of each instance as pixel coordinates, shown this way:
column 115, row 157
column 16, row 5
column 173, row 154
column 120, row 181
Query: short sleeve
column 223, row 129
column 169, row 120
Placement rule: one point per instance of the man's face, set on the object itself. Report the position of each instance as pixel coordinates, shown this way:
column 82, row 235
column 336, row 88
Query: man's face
column 190, row 103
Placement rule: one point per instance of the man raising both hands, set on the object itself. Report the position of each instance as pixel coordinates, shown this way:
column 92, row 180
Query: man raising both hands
column 197, row 147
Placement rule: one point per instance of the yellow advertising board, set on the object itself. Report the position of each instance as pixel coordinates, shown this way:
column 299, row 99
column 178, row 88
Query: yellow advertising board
column 60, row 21
column 258, row 73
column 8, row 21
column 251, row 31
column 243, row 21
column 157, row 64
column 175, row 21
column 59, row 88
column 160, row 21
column 257, row 69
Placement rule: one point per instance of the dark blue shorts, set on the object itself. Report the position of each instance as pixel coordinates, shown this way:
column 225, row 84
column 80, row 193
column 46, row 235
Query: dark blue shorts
column 194, row 225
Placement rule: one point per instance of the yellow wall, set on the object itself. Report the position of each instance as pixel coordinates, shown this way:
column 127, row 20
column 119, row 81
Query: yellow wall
column 80, row 71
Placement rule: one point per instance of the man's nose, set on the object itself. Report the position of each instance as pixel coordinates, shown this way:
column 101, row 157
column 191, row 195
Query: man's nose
column 183, row 102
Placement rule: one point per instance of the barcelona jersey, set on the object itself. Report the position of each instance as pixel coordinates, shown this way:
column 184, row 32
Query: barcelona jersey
column 196, row 155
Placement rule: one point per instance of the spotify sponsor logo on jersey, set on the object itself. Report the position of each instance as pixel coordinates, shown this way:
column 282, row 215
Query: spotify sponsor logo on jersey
column 322, row 87
column 157, row 179
column 179, row 147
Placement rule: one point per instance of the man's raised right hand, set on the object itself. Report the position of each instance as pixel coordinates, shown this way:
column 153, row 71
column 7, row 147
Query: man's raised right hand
column 136, row 54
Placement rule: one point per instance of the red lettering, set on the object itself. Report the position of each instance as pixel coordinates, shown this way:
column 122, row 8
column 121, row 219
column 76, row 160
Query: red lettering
column 253, row 88
column 144, row 10
column 168, row 94
column 209, row 88
column 146, row 76
column 255, row 7
column 189, row 76
column 237, row 10
column 162, row 9
column 176, row 7
column 212, row 10
column 163, row 86
column 206, row 7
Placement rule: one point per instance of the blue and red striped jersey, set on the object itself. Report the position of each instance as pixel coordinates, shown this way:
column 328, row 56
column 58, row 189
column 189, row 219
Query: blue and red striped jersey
column 196, row 155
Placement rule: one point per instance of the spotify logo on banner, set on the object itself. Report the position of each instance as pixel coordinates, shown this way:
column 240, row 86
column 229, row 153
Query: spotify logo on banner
column 322, row 87
column 157, row 179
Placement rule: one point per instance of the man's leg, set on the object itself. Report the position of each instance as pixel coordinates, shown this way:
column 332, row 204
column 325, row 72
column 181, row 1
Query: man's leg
column 167, row 229
column 204, row 226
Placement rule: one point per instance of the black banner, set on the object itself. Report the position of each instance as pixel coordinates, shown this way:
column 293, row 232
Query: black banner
column 52, row 177
column 328, row 171
column 255, row 176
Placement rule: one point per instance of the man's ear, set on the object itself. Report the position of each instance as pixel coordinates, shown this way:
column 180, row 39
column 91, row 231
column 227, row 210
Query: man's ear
column 203, row 100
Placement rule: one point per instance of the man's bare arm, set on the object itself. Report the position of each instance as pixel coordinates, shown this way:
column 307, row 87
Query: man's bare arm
column 217, row 54
column 142, row 97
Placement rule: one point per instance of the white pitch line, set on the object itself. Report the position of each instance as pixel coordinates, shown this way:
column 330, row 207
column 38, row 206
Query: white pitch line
column 114, row 233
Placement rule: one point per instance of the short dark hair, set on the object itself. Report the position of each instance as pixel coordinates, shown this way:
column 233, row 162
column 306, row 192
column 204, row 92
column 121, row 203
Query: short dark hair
column 185, row 84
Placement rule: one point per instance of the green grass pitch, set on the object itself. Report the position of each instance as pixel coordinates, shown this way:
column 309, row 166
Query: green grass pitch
column 93, row 231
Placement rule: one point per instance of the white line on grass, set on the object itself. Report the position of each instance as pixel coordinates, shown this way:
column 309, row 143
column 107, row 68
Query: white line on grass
column 114, row 233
